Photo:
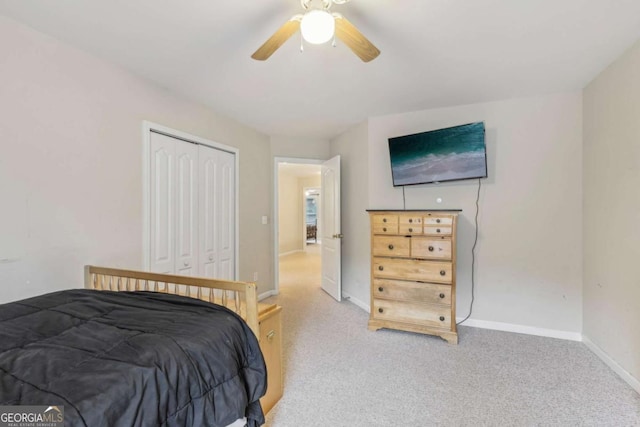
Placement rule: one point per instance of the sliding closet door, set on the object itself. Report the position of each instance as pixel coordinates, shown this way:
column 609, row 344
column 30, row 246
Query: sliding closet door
column 217, row 212
column 162, row 200
column 186, row 208
column 192, row 208
column 226, row 216
column 208, row 172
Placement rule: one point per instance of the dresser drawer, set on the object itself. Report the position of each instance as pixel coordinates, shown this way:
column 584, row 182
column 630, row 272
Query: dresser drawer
column 385, row 224
column 431, row 247
column 438, row 219
column 412, row 291
column 436, row 224
column 391, row 246
column 412, row 269
column 437, row 230
column 409, row 225
column 409, row 312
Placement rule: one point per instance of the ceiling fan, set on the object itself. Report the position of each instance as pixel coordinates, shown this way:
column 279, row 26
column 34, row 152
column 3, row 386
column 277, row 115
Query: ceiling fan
column 318, row 26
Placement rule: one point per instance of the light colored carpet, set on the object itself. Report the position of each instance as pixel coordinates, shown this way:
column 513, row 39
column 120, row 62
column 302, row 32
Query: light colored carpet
column 338, row 373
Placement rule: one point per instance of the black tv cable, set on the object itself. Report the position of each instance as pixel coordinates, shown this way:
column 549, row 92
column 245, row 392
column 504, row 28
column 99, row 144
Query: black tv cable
column 473, row 255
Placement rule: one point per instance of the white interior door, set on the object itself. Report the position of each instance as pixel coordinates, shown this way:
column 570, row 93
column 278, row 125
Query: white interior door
column 217, row 213
column 186, row 208
column 330, row 231
column 192, row 208
column 226, row 216
column 208, row 172
column 162, row 204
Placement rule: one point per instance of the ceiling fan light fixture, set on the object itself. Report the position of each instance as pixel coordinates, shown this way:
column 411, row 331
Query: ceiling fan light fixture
column 317, row 26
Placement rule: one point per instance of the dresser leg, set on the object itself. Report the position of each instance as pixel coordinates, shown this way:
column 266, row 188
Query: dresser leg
column 373, row 326
column 450, row 338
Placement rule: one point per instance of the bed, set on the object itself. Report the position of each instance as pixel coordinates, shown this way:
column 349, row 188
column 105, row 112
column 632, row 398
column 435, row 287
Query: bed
column 137, row 348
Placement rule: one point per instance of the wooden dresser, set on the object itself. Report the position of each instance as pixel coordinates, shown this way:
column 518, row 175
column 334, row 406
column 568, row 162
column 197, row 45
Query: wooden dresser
column 413, row 272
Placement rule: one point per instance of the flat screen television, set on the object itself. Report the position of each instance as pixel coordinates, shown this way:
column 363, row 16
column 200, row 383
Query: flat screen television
column 448, row 154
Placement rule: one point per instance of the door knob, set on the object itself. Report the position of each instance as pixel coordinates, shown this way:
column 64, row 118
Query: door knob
column 338, row 236
column 186, row 263
column 210, row 257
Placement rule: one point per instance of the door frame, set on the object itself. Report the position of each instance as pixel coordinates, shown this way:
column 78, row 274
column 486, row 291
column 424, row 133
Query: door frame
column 147, row 128
column 276, row 211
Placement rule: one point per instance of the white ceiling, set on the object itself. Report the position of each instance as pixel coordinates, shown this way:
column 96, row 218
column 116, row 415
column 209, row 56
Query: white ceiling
column 435, row 53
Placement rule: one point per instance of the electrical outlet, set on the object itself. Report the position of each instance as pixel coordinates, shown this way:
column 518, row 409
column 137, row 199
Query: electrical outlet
column 255, row 276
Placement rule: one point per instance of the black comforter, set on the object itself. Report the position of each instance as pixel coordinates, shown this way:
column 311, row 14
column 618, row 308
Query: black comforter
column 130, row 359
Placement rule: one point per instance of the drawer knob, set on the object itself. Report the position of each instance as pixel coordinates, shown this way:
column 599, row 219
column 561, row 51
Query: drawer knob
column 442, row 318
column 430, row 248
column 410, row 220
column 380, row 310
column 437, row 230
column 384, row 229
column 443, row 273
column 441, row 295
column 438, row 220
column 390, row 247
column 411, row 230
column 384, row 219
column 380, row 289
column 380, row 268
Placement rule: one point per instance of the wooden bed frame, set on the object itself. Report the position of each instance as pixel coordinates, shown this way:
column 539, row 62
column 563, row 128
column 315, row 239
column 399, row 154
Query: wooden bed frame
column 240, row 297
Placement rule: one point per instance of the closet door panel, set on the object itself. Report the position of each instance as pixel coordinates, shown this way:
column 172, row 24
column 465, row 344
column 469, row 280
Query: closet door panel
column 162, row 209
column 186, row 208
column 192, row 209
column 208, row 232
column 225, row 222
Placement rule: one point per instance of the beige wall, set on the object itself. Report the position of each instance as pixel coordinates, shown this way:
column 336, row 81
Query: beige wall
column 70, row 168
column 289, row 213
column 302, row 148
column 612, row 211
column 529, row 256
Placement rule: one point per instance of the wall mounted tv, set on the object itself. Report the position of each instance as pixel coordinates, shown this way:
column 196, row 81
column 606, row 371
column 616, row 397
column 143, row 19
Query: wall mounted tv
column 448, row 154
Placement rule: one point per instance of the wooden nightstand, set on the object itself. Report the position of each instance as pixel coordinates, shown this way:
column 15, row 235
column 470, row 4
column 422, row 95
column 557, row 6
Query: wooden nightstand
column 270, row 319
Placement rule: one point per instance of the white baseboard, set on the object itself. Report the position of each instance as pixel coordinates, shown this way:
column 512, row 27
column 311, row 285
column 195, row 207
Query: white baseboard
column 356, row 301
column 267, row 295
column 521, row 329
column 626, row 376
column 498, row 326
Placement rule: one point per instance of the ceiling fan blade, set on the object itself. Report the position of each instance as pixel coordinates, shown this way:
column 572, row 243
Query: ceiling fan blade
column 277, row 39
column 353, row 38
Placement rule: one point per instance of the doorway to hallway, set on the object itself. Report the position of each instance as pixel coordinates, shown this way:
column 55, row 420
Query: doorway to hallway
column 298, row 237
column 291, row 221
